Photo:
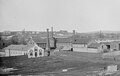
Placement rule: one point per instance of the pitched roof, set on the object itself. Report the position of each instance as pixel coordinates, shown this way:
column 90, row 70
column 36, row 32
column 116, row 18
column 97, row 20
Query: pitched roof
column 19, row 47
column 94, row 45
column 39, row 40
column 81, row 41
column 63, row 40
column 106, row 43
column 31, row 42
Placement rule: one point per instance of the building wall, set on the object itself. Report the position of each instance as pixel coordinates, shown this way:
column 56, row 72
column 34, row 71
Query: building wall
column 114, row 46
column 14, row 52
column 102, row 48
column 66, row 46
column 21, row 52
column 77, row 47
column 33, row 52
column 52, row 43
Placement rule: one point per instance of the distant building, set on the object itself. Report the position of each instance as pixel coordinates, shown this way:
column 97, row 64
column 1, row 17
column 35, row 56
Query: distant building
column 40, row 42
column 6, row 32
column 80, row 43
column 99, row 46
column 2, row 53
column 64, row 43
column 55, row 43
column 43, row 42
column 105, row 46
column 31, row 50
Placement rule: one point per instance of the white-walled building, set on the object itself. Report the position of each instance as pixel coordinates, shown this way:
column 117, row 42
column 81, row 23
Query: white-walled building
column 32, row 50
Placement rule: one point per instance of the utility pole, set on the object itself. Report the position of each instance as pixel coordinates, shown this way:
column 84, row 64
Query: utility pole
column 73, row 37
column 48, row 43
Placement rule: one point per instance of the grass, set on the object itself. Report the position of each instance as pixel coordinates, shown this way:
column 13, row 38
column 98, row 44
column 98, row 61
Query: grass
column 81, row 62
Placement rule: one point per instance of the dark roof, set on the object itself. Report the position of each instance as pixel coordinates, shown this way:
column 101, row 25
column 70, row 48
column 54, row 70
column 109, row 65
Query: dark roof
column 40, row 40
column 94, row 45
column 19, row 47
column 63, row 40
column 81, row 41
column 106, row 43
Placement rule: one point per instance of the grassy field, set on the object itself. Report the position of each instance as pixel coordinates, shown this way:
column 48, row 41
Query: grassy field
column 77, row 63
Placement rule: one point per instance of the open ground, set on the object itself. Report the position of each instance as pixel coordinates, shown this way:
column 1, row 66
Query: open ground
column 59, row 64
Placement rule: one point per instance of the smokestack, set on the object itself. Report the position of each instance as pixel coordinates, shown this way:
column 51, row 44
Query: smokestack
column 73, row 32
column 48, row 42
column 52, row 32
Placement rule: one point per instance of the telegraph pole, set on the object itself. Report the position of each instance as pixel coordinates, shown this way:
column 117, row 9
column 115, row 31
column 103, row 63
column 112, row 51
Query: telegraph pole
column 73, row 37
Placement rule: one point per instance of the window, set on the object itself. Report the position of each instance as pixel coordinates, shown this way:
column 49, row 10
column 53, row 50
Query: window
column 40, row 52
column 36, row 49
column 108, row 46
column 31, row 52
column 102, row 46
column 25, row 53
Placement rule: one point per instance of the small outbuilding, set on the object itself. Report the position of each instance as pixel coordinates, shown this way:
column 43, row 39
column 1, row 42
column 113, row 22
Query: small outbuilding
column 101, row 47
column 105, row 46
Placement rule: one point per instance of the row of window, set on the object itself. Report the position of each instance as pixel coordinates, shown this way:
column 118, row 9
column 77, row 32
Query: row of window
column 31, row 52
column 16, row 52
column 36, row 50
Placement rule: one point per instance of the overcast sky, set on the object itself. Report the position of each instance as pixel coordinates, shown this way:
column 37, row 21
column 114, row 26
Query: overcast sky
column 79, row 15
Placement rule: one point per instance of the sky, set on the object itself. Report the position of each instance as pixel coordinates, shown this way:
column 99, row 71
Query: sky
column 79, row 15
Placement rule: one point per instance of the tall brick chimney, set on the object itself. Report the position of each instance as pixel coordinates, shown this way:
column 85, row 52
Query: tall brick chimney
column 48, row 43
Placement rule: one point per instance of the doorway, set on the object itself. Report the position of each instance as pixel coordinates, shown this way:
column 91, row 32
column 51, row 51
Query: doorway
column 108, row 47
column 119, row 46
column 35, row 54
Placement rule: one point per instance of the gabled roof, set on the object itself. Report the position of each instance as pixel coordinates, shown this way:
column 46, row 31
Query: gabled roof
column 31, row 42
column 19, row 47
